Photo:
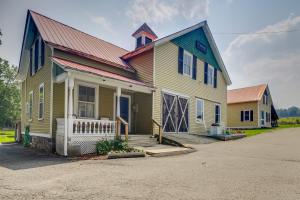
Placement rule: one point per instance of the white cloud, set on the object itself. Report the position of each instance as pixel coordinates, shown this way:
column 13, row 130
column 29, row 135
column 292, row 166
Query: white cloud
column 156, row 12
column 268, row 58
column 103, row 23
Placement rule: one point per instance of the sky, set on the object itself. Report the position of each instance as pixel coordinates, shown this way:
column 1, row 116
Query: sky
column 259, row 40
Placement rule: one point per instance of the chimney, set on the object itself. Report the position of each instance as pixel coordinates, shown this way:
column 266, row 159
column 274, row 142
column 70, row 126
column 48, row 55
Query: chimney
column 144, row 35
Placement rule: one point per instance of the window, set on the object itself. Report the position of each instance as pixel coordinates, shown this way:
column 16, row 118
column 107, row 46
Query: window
column 265, row 99
column 139, row 42
column 86, row 101
column 199, row 110
column 147, row 40
column 30, row 105
column 247, row 115
column 210, row 75
column 41, row 101
column 262, row 118
column 217, row 114
column 37, row 55
column 187, row 63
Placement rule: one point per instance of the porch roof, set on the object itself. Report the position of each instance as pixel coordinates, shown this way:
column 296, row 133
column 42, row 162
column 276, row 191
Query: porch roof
column 94, row 70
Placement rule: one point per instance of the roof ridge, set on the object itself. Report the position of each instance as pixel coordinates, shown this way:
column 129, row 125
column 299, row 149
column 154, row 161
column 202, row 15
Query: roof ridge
column 264, row 84
column 76, row 29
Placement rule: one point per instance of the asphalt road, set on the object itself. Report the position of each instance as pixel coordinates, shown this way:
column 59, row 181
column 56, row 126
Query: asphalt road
column 263, row 167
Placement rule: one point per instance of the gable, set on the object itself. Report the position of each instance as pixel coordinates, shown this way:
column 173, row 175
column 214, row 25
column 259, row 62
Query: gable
column 188, row 42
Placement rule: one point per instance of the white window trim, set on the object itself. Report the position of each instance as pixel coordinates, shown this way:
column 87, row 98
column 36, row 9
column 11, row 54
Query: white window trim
column 42, row 85
column 217, row 104
column 245, row 115
column 30, row 117
column 198, row 120
column 191, row 67
column 212, row 75
column 76, row 91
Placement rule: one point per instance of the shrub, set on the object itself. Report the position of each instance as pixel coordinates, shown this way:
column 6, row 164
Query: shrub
column 105, row 146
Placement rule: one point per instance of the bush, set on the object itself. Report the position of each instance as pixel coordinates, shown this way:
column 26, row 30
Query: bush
column 105, row 146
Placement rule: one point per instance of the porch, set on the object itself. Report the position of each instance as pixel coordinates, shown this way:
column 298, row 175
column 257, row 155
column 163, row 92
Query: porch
column 88, row 108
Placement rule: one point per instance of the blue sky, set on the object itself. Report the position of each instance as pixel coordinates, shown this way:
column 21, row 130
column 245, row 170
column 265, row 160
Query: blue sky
column 250, row 59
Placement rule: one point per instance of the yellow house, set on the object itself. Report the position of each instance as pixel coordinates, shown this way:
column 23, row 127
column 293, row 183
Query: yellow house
column 251, row 107
column 77, row 89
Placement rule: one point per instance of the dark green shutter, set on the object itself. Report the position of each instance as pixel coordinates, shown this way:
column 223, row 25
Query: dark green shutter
column 36, row 55
column 30, row 61
column 215, row 77
column 42, row 52
column 205, row 72
column 242, row 116
column 251, row 115
column 180, row 60
column 194, row 67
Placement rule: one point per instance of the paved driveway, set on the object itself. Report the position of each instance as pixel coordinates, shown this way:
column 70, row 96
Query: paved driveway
column 263, row 167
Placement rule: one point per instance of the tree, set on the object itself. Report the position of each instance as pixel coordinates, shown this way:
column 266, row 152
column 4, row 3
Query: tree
column 0, row 37
column 9, row 95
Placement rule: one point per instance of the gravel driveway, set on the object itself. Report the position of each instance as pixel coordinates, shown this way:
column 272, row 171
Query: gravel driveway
column 263, row 167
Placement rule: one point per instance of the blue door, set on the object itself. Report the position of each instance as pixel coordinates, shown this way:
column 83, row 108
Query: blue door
column 124, row 111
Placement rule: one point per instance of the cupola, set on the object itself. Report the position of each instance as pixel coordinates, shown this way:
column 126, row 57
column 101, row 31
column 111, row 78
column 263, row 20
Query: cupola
column 144, row 35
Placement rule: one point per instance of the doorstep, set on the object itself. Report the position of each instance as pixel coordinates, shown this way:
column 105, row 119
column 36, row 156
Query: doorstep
column 165, row 150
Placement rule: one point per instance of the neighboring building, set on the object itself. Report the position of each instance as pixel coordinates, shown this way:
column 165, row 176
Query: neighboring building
column 74, row 85
column 251, row 107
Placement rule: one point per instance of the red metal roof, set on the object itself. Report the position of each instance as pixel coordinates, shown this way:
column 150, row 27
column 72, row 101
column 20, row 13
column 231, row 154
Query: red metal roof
column 94, row 70
column 247, row 94
column 75, row 41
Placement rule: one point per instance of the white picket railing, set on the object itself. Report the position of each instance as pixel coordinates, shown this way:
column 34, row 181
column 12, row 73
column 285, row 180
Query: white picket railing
column 82, row 127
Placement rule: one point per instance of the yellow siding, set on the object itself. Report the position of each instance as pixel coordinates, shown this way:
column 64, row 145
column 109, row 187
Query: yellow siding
column 44, row 75
column 142, row 119
column 89, row 62
column 58, row 103
column 106, row 102
column 167, row 77
column 234, row 115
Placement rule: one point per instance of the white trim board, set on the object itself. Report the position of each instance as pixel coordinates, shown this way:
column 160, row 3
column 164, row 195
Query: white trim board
column 46, row 135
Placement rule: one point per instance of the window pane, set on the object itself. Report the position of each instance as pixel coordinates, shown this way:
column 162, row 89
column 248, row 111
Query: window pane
column 187, row 62
column 199, row 110
column 247, row 116
column 41, row 114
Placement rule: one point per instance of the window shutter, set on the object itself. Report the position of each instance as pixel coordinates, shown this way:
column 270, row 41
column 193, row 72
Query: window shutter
column 194, row 67
column 215, row 77
column 242, row 116
column 30, row 61
column 205, row 72
column 251, row 115
column 180, row 60
column 42, row 52
column 36, row 55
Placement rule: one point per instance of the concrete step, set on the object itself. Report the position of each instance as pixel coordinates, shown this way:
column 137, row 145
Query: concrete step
column 142, row 140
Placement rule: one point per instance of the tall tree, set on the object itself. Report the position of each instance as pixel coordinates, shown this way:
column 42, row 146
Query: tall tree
column 9, row 94
column 0, row 37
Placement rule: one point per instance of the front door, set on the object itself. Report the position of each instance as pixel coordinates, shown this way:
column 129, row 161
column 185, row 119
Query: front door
column 175, row 112
column 124, row 111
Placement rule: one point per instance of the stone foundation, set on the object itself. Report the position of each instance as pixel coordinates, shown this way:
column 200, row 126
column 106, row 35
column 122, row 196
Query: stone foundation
column 41, row 143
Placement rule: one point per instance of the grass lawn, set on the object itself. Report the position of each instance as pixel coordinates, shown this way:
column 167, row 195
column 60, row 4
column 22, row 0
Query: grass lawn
column 7, row 136
column 252, row 132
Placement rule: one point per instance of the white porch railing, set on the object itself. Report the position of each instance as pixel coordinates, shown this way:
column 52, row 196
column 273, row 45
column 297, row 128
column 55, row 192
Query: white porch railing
column 82, row 127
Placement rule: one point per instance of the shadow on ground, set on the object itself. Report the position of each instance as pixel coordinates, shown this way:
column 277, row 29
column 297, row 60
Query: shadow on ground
column 15, row 157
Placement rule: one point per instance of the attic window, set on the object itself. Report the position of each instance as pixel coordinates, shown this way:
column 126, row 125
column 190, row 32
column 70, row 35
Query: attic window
column 139, row 42
column 147, row 40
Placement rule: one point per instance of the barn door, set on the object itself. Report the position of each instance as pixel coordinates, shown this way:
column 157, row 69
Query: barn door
column 175, row 112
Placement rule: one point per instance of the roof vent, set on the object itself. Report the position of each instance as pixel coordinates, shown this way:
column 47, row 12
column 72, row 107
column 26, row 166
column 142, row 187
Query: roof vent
column 144, row 35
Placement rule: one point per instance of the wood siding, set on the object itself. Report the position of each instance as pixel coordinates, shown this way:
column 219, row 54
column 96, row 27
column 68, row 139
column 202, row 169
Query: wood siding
column 234, row 115
column 58, row 103
column 31, row 83
column 167, row 77
column 143, row 64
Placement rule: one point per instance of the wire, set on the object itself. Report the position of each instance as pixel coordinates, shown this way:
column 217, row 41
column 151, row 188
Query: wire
column 258, row 33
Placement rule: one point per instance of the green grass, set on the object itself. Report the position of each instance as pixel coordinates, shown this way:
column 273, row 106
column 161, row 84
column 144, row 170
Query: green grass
column 7, row 136
column 252, row 132
column 289, row 120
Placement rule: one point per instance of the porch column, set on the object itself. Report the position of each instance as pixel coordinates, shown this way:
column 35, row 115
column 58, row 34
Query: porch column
column 70, row 114
column 66, row 118
column 118, row 101
column 118, row 111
